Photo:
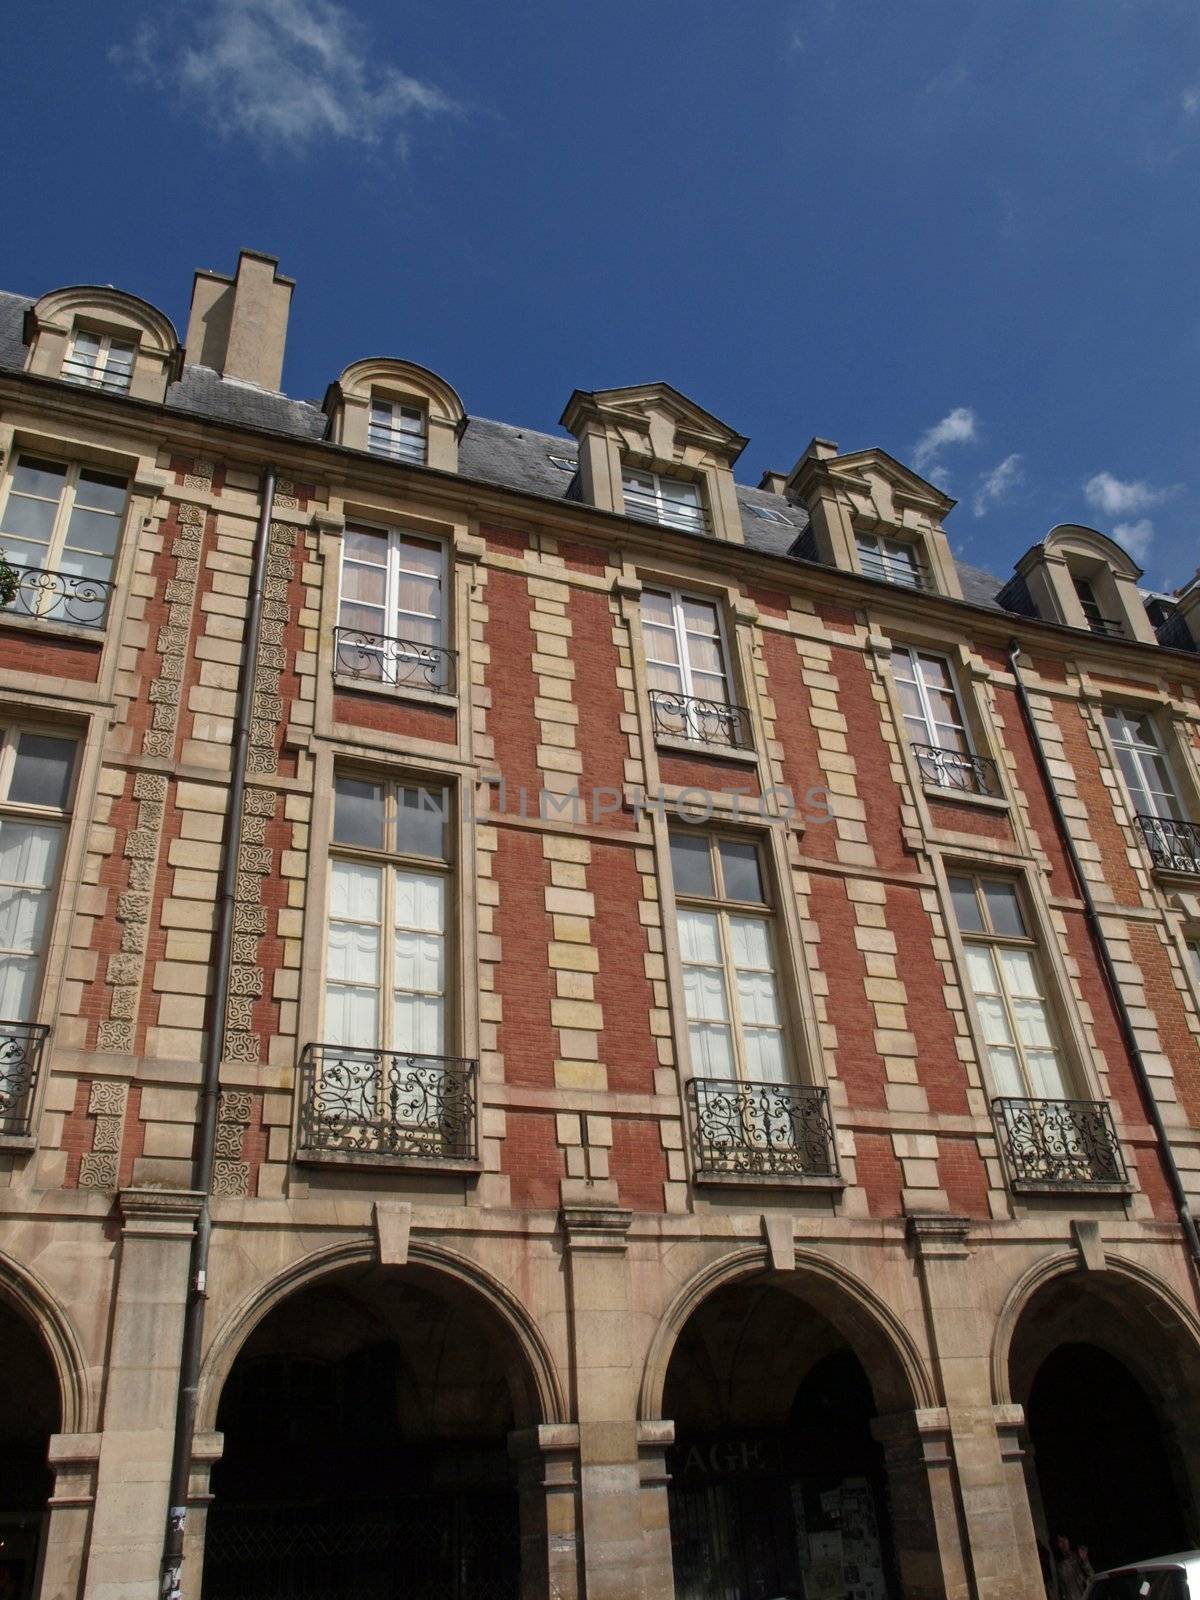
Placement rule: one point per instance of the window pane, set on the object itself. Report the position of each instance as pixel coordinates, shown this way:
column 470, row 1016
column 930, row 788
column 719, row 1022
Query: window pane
column 740, row 870
column 358, row 812
column 657, row 608
column 421, row 555
column 42, row 771
column 421, row 822
column 363, row 544
column 28, row 519
column 33, row 476
column 420, row 901
column 966, row 908
column 711, row 1051
column 691, row 865
column 100, row 491
column 354, row 892
column 758, row 1000
column 699, row 943
column 751, row 944
column 93, row 531
column 1004, row 909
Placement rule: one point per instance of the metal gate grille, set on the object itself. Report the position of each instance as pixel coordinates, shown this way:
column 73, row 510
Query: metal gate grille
column 448, row 1546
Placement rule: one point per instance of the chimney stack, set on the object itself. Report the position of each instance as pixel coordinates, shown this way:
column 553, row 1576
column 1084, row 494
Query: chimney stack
column 238, row 326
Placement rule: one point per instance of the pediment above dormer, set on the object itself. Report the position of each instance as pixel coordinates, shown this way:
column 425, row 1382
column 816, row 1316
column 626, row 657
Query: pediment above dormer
column 883, row 492
column 656, row 423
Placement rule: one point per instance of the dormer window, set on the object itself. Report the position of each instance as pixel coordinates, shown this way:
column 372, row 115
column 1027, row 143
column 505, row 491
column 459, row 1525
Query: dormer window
column 673, row 502
column 397, row 430
column 892, row 560
column 1096, row 620
column 100, row 360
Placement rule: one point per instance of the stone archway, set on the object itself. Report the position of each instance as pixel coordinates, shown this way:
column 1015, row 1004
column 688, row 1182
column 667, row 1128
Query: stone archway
column 367, row 1422
column 796, row 1458
column 30, row 1415
column 1106, row 1365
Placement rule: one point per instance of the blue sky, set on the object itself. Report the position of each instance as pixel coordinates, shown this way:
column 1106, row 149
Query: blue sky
column 963, row 230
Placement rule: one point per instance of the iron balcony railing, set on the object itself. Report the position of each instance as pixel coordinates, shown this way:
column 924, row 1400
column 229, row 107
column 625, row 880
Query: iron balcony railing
column 956, row 769
column 115, row 378
column 643, row 505
column 396, row 444
column 61, row 597
column 21, row 1046
column 711, row 722
column 1109, row 627
column 775, row 1130
column 386, row 1103
column 1059, row 1142
column 894, row 570
column 1173, row 845
column 403, row 663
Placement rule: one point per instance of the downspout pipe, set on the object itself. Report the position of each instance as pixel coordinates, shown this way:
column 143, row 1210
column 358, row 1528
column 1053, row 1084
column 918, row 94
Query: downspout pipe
column 210, row 1090
column 1092, row 915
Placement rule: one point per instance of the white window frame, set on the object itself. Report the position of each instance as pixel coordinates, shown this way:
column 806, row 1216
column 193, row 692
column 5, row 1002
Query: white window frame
column 723, row 908
column 397, row 666
column 1138, row 752
column 95, row 371
column 914, row 653
column 678, row 599
column 50, row 816
column 43, row 601
column 391, row 439
column 900, row 561
column 389, row 861
column 992, row 941
column 651, row 502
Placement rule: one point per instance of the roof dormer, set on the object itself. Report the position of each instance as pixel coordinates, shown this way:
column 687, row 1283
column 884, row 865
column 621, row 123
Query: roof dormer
column 398, row 410
column 872, row 515
column 102, row 338
column 1084, row 579
column 651, row 453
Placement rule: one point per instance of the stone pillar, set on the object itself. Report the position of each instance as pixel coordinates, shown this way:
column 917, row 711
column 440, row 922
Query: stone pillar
column 207, row 1450
column 73, row 1458
column 547, row 1460
column 1000, row 1549
column 654, row 1440
column 134, row 1470
column 923, row 1500
column 624, row 1556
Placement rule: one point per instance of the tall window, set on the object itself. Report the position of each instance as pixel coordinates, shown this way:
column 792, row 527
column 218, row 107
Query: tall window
column 1143, row 763
column 36, row 773
column 935, row 723
column 893, row 560
column 686, row 668
column 396, row 430
column 61, row 522
column 100, row 360
column 652, row 497
column 727, row 947
column 392, row 616
column 1096, row 620
column 385, row 975
column 1010, row 996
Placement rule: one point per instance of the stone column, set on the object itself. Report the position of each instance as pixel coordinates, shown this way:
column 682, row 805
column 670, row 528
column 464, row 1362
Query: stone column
column 547, row 1460
column 139, row 1407
column 923, row 1501
column 625, row 1555
column 1000, row 1549
column 73, row 1458
column 207, row 1450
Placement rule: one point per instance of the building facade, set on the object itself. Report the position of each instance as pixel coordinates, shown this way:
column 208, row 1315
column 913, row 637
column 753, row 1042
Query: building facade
column 698, row 993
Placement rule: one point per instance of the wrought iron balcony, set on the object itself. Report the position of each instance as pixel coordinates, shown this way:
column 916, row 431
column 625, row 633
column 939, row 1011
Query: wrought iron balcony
column 61, row 597
column 956, row 769
column 892, row 569
column 1056, row 1143
column 404, row 663
column 1107, row 627
column 776, row 1130
column 358, row 1102
column 1174, row 846
column 710, row 722
column 20, row 1063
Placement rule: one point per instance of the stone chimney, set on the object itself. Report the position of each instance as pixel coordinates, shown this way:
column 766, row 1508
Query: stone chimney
column 238, row 325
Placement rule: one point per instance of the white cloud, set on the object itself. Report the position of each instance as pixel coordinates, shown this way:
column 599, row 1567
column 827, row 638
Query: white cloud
column 1117, row 497
column 285, row 73
column 956, row 427
column 1190, row 100
column 1135, row 537
column 996, row 485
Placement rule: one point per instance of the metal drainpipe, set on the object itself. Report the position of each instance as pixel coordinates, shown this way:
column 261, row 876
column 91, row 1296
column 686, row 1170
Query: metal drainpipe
column 193, row 1325
column 1110, row 972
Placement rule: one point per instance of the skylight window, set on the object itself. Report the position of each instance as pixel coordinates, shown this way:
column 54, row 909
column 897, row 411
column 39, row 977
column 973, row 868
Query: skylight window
column 564, row 463
column 769, row 514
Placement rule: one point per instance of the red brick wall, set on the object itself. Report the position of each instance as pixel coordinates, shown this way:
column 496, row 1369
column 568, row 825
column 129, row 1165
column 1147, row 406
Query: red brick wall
column 964, row 1177
column 878, row 1172
column 622, row 988
column 859, row 1064
column 638, row 1163
column 60, row 658
column 395, row 716
column 1178, row 1041
column 523, row 978
column 966, row 818
column 943, row 1075
column 533, row 1159
column 600, row 701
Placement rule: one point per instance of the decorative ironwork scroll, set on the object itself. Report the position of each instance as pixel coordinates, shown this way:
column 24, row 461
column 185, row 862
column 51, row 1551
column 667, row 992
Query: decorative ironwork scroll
column 1054, row 1142
column 387, row 1103
column 776, row 1129
column 711, row 722
column 956, row 769
column 407, row 663
column 1174, row 846
column 61, row 597
column 20, row 1064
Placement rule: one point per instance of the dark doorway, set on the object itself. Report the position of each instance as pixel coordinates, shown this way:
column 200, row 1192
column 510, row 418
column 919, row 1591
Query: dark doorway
column 777, row 1485
column 365, row 1457
column 29, row 1414
column 1102, row 1468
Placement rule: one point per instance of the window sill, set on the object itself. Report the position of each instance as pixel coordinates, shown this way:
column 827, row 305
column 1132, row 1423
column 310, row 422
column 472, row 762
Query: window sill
column 17, row 1143
column 45, row 627
column 698, row 747
column 1178, row 877
column 1030, row 1188
column 461, row 1166
column 832, row 1182
column 409, row 694
column 985, row 802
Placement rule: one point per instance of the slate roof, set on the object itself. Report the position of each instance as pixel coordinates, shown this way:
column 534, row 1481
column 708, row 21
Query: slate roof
column 490, row 452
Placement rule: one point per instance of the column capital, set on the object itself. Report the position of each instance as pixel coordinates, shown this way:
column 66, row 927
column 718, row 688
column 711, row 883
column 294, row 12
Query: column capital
column 164, row 1213
column 596, row 1227
column 933, row 1233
